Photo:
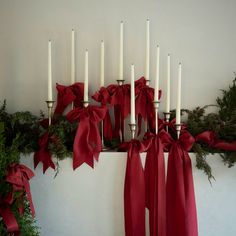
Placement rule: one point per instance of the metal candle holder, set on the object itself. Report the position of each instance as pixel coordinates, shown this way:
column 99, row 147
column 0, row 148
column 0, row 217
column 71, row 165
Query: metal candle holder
column 148, row 82
column 156, row 106
column 50, row 106
column 167, row 119
column 85, row 103
column 132, row 130
column 120, row 81
column 178, row 129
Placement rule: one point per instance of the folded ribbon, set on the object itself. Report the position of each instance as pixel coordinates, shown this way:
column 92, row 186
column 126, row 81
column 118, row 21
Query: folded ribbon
column 43, row 154
column 134, row 190
column 87, row 143
column 19, row 175
column 181, row 206
column 155, row 184
column 210, row 138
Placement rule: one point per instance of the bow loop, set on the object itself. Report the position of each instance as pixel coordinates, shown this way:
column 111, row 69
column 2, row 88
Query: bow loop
column 102, row 96
column 186, row 140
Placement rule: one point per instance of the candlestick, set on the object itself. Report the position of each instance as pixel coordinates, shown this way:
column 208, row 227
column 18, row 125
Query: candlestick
column 178, row 129
column 49, row 70
column 168, row 85
column 132, row 130
column 121, row 75
column 132, row 96
column 86, row 79
column 178, row 105
column 167, row 119
column 156, row 94
column 50, row 104
column 102, row 65
column 156, row 107
column 72, row 56
column 147, row 52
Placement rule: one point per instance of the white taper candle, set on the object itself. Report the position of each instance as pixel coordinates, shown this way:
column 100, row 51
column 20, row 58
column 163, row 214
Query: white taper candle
column 168, row 85
column 147, row 66
column 178, row 106
column 132, row 96
column 157, row 79
column 102, row 65
column 121, row 63
column 72, row 57
column 49, row 70
column 86, row 77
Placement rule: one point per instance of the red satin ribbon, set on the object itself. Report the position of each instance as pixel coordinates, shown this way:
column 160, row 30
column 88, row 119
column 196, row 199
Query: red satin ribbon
column 180, row 198
column 87, row 143
column 43, row 154
column 210, row 138
column 7, row 214
column 155, row 184
column 19, row 175
column 67, row 95
column 103, row 97
column 134, row 190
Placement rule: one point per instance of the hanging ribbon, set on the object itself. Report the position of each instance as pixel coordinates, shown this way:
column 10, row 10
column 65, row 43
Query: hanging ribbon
column 7, row 214
column 43, row 154
column 103, row 97
column 19, row 175
column 155, row 184
column 210, row 138
column 87, row 143
column 67, row 95
column 181, row 208
column 134, row 190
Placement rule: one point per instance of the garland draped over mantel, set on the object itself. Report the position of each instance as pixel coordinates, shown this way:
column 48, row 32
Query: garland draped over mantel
column 25, row 133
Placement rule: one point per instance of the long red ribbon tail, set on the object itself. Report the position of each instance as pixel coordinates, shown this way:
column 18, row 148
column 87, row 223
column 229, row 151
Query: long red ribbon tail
column 134, row 195
column 9, row 219
column 156, row 188
column 117, row 114
column 107, row 127
column 181, row 208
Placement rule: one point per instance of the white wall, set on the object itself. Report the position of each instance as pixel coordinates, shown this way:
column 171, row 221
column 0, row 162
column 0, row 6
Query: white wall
column 89, row 202
column 201, row 34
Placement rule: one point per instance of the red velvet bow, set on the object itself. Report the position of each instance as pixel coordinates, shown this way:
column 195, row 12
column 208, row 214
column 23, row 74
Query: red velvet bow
column 144, row 102
column 134, row 190
column 7, row 214
column 19, row 175
column 120, row 99
column 180, row 198
column 155, row 184
column 43, row 154
column 103, row 97
column 87, row 142
column 68, row 94
column 210, row 138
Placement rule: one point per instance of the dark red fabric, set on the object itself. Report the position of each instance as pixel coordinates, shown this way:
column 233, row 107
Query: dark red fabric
column 7, row 214
column 19, row 175
column 180, row 198
column 68, row 94
column 87, row 143
column 134, row 190
column 155, row 185
column 104, row 98
column 210, row 138
column 43, row 154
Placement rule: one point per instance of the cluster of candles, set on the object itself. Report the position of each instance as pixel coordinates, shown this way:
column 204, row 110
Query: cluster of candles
column 121, row 75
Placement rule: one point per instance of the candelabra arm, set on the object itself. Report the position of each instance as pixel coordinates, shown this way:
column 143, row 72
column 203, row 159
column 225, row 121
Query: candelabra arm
column 50, row 106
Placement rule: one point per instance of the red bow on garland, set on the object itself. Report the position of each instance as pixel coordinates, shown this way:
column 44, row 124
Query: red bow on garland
column 87, row 143
column 103, row 97
column 155, row 184
column 181, row 207
column 68, row 94
column 134, row 190
column 210, row 138
column 19, row 175
column 43, row 154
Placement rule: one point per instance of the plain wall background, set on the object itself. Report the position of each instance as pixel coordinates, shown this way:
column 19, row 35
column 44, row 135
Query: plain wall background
column 201, row 34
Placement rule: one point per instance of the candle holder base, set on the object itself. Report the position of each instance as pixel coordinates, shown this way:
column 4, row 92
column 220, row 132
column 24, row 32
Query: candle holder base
column 178, row 129
column 50, row 104
column 120, row 81
column 167, row 119
column 132, row 130
column 156, row 107
column 148, row 82
column 85, row 103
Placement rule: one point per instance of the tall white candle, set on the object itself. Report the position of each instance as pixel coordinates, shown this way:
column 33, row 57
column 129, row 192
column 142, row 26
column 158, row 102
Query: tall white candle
column 102, row 65
column 49, row 70
column 132, row 96
column 147, row 66
column 178, row 120
column 72, row 57
column 168, row 85
column 86, row 77
column 156, row 98
column 121, row 63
